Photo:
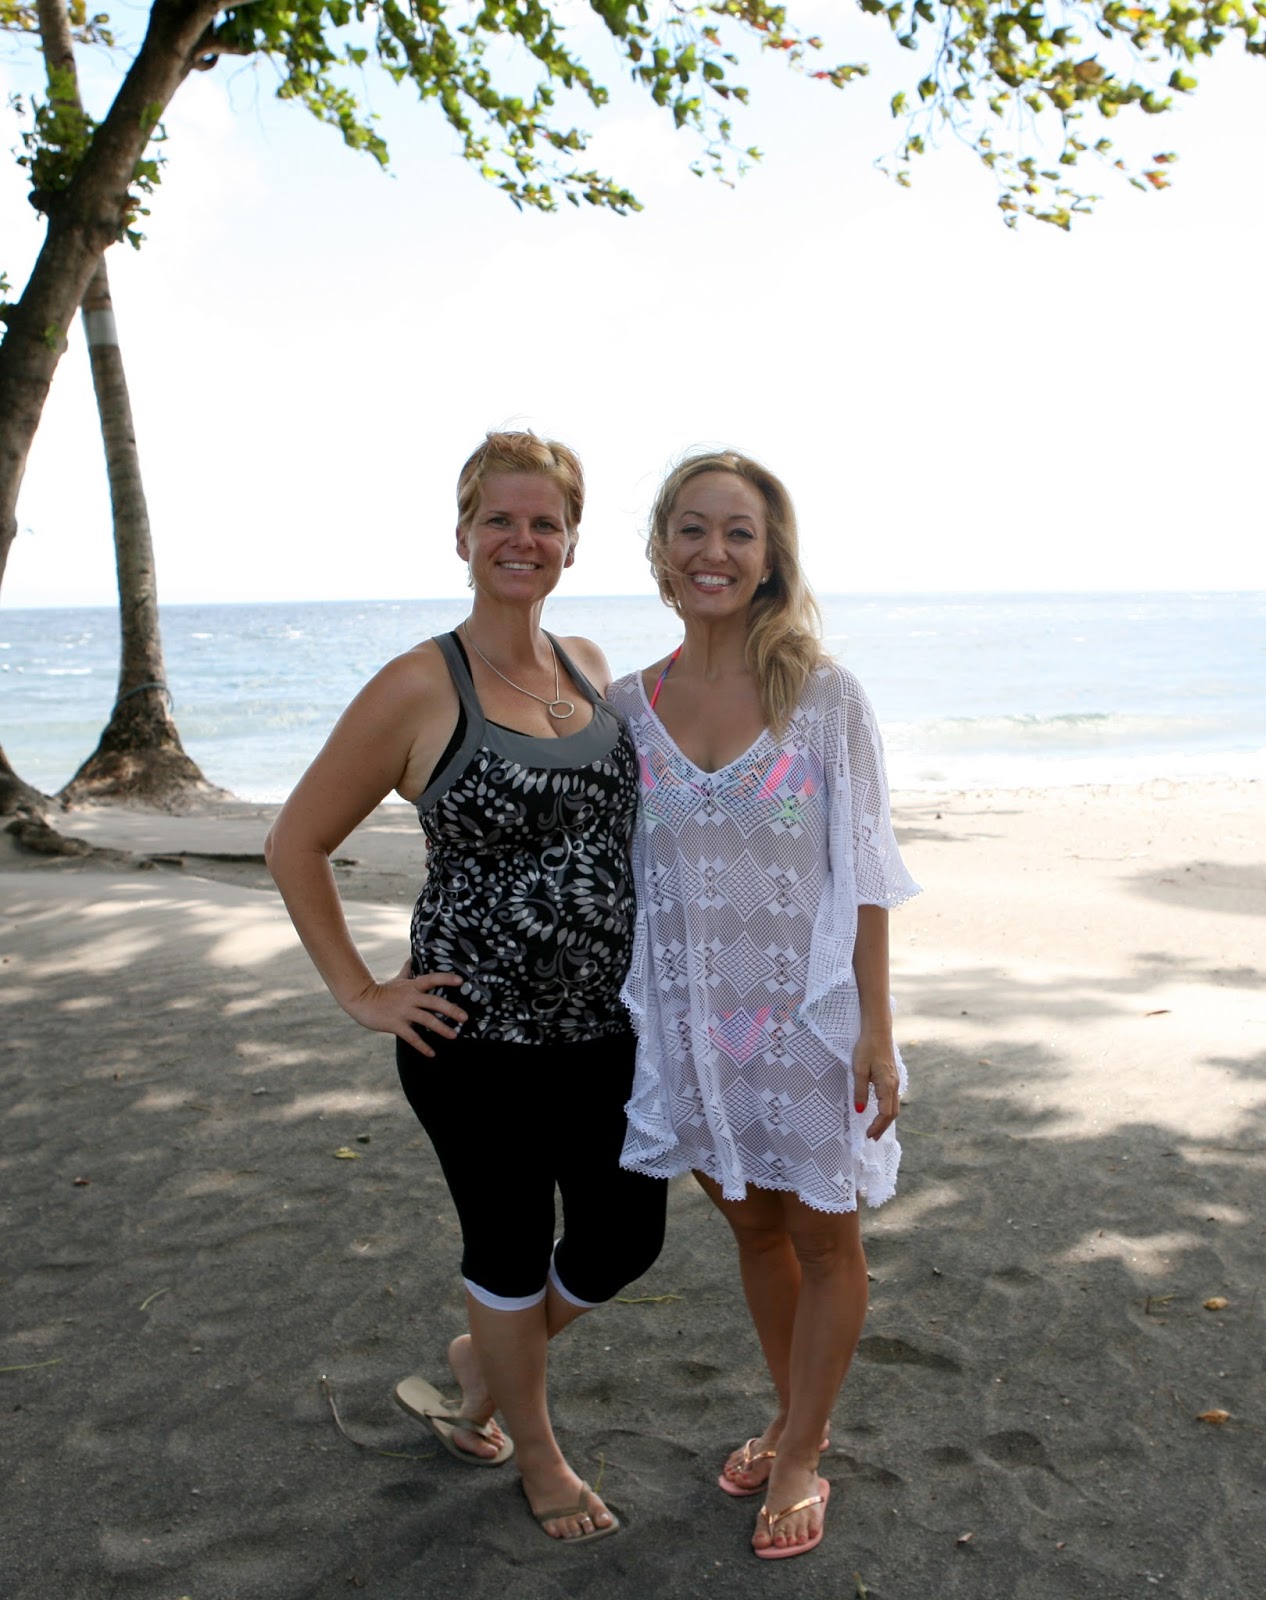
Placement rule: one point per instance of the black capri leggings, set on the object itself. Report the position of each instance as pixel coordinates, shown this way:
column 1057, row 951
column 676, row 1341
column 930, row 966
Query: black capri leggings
column 509, row 1122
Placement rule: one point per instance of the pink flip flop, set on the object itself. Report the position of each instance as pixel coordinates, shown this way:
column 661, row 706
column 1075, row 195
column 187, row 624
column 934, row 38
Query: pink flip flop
column 748, row 1462
column 773, row 1552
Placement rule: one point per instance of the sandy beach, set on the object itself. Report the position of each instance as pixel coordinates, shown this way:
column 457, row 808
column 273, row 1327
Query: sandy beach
column 221, row 1226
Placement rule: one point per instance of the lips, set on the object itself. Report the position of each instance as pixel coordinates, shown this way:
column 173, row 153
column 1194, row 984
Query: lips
column 711, row 580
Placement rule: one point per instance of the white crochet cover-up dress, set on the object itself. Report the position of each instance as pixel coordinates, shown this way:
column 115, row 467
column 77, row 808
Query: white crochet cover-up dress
column 741, row 987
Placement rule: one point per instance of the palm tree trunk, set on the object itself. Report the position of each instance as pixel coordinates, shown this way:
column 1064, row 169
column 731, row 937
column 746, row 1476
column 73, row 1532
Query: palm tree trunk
column 139, row 756
column 91, row 216
column 16, row 795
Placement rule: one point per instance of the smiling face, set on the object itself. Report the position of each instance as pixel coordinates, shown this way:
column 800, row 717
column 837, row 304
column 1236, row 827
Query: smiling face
column 517, row 541
column 717, row 547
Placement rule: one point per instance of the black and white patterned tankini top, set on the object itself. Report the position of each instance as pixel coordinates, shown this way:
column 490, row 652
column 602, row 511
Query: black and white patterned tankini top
column 528, row 894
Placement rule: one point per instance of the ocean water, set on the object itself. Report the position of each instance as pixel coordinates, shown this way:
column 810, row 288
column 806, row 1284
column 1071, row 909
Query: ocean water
column 1009, row 691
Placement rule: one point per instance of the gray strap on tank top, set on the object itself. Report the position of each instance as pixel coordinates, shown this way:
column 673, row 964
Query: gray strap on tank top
column 578, row 749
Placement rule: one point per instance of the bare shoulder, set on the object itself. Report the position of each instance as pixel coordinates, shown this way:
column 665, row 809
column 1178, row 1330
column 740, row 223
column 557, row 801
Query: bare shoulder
column 590, row 659
column 404, row 715
column 416, row 676
column 424, row 664
column 651, row 675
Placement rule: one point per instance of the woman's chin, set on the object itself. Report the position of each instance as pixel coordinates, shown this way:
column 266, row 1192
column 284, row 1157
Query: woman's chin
column 712, row 605
column 520, row 587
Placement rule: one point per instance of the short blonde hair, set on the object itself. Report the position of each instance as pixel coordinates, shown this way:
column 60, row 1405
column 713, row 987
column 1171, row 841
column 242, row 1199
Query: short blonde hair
column 784, row 642
column 526, row 453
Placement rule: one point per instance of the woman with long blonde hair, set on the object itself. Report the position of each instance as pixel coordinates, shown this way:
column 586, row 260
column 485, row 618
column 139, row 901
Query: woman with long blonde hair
column 765, row 865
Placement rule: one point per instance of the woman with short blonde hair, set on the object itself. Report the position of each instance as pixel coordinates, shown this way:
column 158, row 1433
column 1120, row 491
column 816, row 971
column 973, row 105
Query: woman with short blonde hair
column 525, row 784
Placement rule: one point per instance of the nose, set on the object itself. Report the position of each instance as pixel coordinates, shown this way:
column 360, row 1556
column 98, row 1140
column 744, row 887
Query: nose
column 714, row 544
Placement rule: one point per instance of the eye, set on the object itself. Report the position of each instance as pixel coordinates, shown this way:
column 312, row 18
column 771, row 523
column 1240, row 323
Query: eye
column 689, row 530
column 742, row 533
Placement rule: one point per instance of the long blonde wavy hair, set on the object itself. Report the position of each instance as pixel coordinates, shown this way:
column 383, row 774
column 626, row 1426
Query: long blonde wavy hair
column 784, row 639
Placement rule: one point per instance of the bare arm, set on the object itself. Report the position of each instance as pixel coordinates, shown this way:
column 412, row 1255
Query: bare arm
column 874, row 1058
column 591, row 661
column 381, row 742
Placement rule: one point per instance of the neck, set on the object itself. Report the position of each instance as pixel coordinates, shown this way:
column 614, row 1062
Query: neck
column 509, row 633
column 715, row 650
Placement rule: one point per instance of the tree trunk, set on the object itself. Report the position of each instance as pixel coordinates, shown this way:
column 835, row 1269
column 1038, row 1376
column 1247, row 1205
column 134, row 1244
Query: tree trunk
column 91, row 214
column 139, row 756
column 17, row 796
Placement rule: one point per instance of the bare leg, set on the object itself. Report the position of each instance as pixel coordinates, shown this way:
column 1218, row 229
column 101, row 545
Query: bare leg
column 477, row 1399
column 510, row 1349
column 829, row 1316
column 477, row 1402
column 804, row 1277
column 770, row 1272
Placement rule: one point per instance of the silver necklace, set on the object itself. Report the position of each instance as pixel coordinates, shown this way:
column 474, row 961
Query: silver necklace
column 550, row 705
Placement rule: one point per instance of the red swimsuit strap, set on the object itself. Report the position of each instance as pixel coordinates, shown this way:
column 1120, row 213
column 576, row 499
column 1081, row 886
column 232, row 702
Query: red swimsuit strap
column 659, row 683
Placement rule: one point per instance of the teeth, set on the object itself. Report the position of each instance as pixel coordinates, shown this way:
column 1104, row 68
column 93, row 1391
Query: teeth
column 519, row 566
column 708, row 581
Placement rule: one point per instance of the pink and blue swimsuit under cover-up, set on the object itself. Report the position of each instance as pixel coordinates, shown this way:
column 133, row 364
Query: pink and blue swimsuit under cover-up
column 741, row 986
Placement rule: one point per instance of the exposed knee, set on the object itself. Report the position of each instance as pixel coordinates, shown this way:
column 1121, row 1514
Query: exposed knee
column 822, row 1252
column 756, row 1241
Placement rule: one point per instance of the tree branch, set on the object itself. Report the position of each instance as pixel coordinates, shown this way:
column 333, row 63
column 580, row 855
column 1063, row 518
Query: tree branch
column 211, row 47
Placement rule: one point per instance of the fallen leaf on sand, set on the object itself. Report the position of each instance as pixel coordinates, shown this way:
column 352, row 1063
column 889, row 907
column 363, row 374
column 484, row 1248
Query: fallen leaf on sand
column 82, row 1183
column 965, row 1538
column 1217, row 1302
column 1217, row 1416
column 1163, row 1012
column 344, row 1154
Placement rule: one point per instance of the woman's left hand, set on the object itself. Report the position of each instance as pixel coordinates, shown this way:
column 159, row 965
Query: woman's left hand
column 875, row 1067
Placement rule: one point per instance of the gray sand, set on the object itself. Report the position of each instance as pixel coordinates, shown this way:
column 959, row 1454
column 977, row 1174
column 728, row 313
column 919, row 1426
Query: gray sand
column 185, row 1257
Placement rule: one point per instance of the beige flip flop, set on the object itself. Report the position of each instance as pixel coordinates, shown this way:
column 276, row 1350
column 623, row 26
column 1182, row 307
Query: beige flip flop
column 425, row 1402
column 580, row 1509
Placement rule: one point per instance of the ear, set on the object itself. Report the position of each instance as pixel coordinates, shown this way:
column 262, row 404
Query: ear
column 463, row 544
column 571, row 551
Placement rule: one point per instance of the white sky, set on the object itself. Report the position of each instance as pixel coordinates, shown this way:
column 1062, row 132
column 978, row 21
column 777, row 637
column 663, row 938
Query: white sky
column 313, row 349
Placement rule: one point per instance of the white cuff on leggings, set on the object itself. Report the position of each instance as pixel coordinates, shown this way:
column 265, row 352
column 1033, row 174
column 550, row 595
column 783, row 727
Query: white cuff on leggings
column 573, row 1299
column 501, row 1302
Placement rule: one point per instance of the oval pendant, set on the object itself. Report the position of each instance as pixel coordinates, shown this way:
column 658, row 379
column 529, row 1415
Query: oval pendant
column 561, row 716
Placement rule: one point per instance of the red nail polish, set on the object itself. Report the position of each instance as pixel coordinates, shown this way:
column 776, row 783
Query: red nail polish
column 860, row 1104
